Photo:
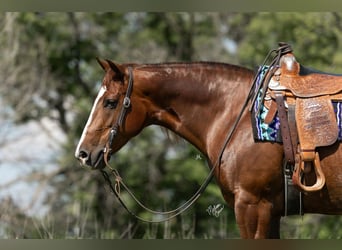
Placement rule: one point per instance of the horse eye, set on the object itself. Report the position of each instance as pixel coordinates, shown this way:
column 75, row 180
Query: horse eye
column 110, row 103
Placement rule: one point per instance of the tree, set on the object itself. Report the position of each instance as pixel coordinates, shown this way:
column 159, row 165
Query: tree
column 49, row 60
column 59, row 49
column 314, row 37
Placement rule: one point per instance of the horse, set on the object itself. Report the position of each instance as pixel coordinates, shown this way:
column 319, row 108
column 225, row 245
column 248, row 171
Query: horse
column 201, row 102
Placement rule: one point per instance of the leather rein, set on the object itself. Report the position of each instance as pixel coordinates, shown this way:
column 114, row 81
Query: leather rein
column 116, row 188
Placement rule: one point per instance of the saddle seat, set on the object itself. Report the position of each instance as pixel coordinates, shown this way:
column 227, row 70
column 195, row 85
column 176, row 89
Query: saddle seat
column 310, row 84
column 307, row 95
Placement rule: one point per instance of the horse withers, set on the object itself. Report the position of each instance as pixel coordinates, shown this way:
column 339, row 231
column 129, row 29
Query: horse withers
column 249, row 174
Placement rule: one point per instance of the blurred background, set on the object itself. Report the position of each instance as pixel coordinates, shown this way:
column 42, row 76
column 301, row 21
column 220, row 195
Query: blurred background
column 48, row 81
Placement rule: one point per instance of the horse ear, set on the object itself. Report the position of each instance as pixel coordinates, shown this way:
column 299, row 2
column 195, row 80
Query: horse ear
column 104, row 65
column 108, row 64
column 119, row 71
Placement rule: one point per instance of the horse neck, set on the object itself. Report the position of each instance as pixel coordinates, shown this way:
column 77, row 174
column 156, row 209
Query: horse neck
column 196, row 101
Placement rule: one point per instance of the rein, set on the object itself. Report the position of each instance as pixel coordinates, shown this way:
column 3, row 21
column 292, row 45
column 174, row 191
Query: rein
column 116, row 188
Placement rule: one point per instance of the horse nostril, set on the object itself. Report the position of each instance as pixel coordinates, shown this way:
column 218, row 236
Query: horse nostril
column 83, row 154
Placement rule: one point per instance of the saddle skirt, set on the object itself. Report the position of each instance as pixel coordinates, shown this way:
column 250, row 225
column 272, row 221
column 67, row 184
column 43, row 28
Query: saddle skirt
column 316, row 122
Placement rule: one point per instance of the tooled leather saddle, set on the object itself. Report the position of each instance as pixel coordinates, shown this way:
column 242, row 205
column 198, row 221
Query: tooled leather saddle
column 302, row 98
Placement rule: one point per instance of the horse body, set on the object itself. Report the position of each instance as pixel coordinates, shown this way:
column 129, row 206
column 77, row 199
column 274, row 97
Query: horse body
column 200, row 102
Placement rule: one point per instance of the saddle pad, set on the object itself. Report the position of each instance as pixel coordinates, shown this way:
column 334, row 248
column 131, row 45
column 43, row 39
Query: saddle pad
column 264, row 132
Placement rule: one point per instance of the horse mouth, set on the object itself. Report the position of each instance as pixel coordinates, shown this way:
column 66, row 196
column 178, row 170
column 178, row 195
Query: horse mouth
column 94, row 161
column 100, row 162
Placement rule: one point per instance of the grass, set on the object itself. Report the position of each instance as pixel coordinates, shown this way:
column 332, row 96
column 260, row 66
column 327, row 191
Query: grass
column 80, row 223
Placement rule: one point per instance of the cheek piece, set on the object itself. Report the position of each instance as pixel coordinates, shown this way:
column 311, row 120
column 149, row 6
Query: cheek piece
column 123, row 112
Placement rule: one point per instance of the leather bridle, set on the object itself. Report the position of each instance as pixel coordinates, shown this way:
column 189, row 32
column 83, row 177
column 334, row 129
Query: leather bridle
column 125, row 106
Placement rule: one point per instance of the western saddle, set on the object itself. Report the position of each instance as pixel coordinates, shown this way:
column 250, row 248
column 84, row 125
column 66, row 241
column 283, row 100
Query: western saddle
column 302, row 97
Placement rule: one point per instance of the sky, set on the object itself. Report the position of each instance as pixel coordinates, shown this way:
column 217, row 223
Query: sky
column 25, row 149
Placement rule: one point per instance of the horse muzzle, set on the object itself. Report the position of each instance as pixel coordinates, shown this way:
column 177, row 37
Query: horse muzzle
column 91, row 159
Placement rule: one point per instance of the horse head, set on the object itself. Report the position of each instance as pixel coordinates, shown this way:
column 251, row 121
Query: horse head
column 109, row 126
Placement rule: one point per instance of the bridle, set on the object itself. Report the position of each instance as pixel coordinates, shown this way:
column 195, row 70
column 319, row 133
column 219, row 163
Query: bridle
column 125, row 106
column 116, row 188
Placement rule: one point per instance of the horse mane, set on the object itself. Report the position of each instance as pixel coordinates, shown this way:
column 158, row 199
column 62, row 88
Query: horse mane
column 182, row 64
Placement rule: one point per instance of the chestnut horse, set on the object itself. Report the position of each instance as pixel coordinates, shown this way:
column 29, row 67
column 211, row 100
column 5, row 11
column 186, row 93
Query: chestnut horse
column 201, row 102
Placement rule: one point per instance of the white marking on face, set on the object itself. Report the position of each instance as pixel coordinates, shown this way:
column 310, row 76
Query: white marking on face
column 85, row 130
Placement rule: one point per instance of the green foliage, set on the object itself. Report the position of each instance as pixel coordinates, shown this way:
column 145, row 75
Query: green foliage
column 315, row 37
column 54, row 54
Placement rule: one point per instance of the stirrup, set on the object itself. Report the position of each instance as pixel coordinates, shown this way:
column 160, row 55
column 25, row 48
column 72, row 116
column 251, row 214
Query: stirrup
column 299, row 173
